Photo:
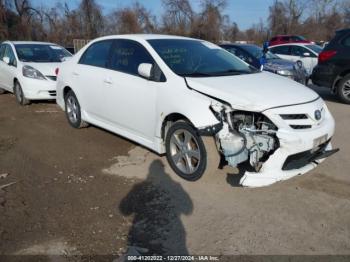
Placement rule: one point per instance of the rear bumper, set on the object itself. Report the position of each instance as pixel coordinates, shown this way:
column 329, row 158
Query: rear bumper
column 324, row 75
column 34, row 89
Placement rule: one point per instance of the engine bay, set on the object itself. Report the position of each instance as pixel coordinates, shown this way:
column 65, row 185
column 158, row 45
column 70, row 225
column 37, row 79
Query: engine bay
column 246, row 136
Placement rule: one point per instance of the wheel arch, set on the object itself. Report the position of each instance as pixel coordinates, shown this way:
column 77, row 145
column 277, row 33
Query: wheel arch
column 198, row 119
column 65, row 91
column 171, row 118
column 339, row 78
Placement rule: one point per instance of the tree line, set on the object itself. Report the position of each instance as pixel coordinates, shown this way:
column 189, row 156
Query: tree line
column 315, row 19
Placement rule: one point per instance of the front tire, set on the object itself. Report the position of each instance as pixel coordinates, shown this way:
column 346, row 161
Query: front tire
column 18, row 92
column 343, row 90
column 2, row 91
column 188, row 154
column 73, row 111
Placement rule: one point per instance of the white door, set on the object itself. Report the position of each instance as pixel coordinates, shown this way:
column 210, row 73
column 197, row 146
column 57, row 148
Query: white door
column 132, row 99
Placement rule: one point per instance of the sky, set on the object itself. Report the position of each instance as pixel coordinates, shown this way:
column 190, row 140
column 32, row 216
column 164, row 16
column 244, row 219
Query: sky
column 243, row 12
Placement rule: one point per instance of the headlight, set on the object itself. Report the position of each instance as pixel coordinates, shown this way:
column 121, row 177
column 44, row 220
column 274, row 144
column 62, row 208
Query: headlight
column 285, row 72
column 31, row 72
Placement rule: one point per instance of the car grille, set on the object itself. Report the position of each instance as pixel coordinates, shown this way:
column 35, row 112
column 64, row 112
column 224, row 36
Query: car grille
column 293, row 116
column 53, row 78
column 300, row 126
column 52, row 93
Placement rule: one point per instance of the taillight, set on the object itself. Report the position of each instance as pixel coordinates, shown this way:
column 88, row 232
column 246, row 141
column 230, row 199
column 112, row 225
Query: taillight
column 326, row 55
column 57, row 70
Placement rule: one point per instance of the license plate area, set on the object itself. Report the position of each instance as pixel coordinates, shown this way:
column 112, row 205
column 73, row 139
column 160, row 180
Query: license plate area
column 319, row 141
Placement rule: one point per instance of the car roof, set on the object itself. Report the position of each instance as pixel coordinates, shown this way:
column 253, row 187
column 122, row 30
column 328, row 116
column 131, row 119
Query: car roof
column 144, row 37
column 29, row 43
column 297, row 44
column 238, row 45
column 284, row 35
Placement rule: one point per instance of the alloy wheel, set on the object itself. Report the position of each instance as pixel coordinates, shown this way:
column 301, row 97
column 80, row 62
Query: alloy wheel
column 72, row 109
column 346, row 89
column 184, row 151
column 19, row 94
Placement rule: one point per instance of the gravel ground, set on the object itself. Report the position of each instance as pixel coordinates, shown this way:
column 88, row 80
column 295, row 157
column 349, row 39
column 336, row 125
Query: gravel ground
column 90, row 192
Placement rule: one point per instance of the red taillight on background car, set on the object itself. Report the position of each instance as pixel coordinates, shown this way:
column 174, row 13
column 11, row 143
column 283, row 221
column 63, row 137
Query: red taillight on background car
column 57, row 70
column 326, row 55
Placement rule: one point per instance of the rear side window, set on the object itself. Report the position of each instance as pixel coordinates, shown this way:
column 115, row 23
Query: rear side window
column 97, row 54
column 127, row 55
column 285, row 38
column 280, row 50
column 273, row 39
column 346, row 41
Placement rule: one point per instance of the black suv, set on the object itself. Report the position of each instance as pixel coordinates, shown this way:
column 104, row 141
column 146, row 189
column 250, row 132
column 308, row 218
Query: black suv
column 333, row 69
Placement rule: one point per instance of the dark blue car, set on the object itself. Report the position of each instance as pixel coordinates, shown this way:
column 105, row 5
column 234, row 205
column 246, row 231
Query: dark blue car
column 267, row 61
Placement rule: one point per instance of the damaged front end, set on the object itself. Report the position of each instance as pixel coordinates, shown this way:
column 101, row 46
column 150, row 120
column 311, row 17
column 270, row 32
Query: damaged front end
column 244, row 136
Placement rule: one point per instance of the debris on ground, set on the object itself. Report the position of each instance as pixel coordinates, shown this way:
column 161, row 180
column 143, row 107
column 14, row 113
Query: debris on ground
column 3, row 176
column 7, row 185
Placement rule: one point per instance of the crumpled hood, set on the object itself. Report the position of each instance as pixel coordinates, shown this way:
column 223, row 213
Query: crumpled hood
column 47, row 69
column 253, row 92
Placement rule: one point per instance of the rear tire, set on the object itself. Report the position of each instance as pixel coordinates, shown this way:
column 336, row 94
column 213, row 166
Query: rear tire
column 343, row 90
column 190, row 155
column 18, row 92
column 73, row 111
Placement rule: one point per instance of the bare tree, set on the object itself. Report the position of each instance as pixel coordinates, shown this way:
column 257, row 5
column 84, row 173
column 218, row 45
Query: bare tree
column 135, row 19
column 91, row 17
column 210, row 21
column 178, row 17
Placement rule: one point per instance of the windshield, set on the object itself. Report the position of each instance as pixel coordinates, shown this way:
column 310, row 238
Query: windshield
column 198, row 58
column 39, row 53
column 315, row 48
column 257, row 52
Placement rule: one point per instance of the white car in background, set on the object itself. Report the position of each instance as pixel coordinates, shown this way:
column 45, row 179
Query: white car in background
column 196, row 102
column 306, row 53
column 27, row 69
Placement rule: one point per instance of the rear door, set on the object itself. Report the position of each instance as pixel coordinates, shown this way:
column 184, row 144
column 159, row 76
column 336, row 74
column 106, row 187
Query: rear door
column 89, row 78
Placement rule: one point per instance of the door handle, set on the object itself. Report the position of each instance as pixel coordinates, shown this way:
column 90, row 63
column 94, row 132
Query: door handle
column 108, row 81
column 75, row 74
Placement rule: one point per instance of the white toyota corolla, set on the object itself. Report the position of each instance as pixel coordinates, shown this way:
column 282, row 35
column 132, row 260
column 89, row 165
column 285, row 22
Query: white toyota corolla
column 27, row 69
column 196, row 103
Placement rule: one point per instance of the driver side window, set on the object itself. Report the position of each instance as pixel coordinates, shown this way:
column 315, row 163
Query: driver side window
column 127, row 55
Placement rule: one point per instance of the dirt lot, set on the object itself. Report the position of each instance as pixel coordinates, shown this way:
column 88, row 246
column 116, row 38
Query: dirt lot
column 91, row 192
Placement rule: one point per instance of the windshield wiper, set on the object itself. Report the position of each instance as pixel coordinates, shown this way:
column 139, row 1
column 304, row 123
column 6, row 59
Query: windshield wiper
column 231, row 72
column 195, row 74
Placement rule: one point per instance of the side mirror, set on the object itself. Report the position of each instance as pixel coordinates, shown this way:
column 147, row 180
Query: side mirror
column 65, row 58
column 306, row 54
column 6, row 60
column 145, row 70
